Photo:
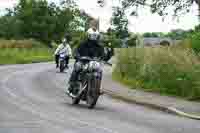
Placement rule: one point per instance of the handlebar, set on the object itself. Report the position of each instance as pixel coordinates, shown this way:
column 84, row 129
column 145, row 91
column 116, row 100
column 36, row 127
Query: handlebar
column 93, row 59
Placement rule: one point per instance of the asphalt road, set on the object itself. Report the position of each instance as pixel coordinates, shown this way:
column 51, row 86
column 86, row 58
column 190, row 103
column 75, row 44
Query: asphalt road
column 32, row 100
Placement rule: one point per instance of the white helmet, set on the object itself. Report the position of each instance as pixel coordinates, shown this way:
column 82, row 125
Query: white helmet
column 93, row 34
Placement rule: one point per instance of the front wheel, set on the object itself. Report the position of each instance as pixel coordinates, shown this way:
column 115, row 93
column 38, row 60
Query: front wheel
column 75, row 101
column 93, row 93
column 62, row 66
column 76, row 89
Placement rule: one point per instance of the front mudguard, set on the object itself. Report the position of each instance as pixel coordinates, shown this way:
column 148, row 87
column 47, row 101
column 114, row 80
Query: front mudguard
column 62, row 65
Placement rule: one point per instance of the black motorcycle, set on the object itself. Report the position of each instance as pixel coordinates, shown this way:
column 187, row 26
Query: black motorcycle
column 62, row 62
column 88, row 86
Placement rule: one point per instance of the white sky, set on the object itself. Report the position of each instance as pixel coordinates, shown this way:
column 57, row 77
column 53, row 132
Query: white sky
column 146, row 22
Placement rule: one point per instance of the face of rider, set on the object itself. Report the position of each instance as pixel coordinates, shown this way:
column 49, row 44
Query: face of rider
column 94, row 29
column 64, row 40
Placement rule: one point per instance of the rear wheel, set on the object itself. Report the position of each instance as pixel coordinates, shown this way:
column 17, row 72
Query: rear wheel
column 93, row 93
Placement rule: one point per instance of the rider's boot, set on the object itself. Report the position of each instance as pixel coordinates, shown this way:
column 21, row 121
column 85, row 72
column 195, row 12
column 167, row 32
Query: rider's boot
column 69, row 90
column 72, row 84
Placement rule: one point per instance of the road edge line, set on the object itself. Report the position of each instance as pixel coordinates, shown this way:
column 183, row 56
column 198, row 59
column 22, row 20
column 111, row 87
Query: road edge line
column 151, row 105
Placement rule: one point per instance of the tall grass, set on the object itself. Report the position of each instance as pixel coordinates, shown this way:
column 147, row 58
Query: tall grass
column 24, row 55
column 167, row 70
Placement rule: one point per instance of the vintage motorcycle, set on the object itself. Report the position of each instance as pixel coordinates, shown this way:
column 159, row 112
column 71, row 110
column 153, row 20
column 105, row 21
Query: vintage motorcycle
column 88, row 86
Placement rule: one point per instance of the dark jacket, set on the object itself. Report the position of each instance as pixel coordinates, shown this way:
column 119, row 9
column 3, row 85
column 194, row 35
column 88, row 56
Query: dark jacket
column 90, row 49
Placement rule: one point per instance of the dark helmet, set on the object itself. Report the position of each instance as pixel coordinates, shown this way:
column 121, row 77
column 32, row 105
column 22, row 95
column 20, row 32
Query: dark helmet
column 67, row 37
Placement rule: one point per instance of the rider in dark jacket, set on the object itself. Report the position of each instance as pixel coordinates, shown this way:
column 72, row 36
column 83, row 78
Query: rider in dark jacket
column 89, row 48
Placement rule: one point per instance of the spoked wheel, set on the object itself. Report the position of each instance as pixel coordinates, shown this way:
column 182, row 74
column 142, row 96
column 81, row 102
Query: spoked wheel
column 93, row 92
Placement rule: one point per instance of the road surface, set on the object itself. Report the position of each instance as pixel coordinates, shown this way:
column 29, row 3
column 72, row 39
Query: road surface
column 32, row 100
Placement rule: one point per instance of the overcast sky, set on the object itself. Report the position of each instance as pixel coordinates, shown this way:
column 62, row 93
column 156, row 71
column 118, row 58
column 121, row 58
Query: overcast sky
column 146, row 22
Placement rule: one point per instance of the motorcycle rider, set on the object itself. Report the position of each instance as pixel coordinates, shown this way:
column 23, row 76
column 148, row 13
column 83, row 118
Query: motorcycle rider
column 65, row 48
column 89, row 48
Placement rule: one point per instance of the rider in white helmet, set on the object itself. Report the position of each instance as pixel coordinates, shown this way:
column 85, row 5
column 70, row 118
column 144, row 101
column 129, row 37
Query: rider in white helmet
column 64, row 48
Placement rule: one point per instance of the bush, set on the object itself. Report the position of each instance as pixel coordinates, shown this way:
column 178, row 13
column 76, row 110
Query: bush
column 165, row 43
column 195, row 40
column 192, row 41
column 165, row 70
column 132, row 42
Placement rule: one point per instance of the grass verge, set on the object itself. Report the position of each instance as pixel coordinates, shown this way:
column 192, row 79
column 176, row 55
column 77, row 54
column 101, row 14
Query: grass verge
column 25, row 55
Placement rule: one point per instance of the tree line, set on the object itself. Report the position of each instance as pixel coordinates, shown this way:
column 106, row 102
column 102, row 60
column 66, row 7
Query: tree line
column 40, row 20
column 47, row 22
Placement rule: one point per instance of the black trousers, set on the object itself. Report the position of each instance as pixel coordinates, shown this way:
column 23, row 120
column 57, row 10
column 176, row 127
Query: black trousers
column 75, row 72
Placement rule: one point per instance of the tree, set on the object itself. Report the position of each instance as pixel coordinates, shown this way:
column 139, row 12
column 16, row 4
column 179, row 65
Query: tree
column 177, row 34
column 161, row 6
column 40, row 20
column 147, row 34
column 153, row 34
column 197, row 28
column 43, row 21
column 120, row 22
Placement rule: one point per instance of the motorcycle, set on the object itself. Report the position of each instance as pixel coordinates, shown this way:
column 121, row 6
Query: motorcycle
column 62, row 62
column 88, row 86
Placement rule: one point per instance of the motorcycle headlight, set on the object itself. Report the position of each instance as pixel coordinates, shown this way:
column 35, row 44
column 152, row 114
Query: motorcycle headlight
column 94, row 65
column 62, row 55
column 85, row 67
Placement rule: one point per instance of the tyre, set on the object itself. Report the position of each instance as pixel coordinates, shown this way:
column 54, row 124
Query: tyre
column 93, row 93
column 62, row 67
column 77, row 99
